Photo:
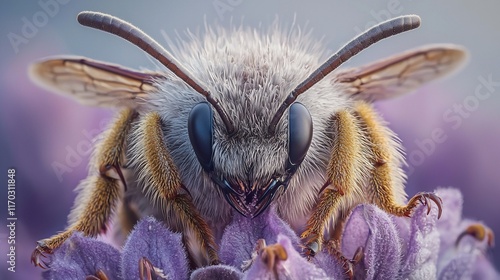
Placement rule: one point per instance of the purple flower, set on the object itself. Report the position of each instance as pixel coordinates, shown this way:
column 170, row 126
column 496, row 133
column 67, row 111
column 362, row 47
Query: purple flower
column 374, row 230
column 393, row 247
column 420, row 247
column 465, row 258
column 151, row 241
column 150, row 248
column 80, row 257
column 240, row 237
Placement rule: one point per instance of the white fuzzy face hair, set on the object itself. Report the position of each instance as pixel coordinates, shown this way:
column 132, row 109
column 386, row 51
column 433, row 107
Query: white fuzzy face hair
column 250, row 72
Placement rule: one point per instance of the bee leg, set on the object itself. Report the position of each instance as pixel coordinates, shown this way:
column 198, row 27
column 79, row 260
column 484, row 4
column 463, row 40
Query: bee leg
column 386, row 179
column 343, row 173
column 338, row 228
column 479, row 232
column 99, row 193
column 333, row 248
column 313, row 235
column 162, row 185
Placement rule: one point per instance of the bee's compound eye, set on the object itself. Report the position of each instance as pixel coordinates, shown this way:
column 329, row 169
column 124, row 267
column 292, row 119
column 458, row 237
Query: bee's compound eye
column 300, row 129
column 200, row 129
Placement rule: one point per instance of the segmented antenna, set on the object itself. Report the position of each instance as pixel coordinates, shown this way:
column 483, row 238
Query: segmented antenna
column 376, row 33
column 137, row 37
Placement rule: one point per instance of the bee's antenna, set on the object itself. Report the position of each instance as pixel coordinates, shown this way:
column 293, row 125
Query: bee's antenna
column 137, row 37
column 376, row 33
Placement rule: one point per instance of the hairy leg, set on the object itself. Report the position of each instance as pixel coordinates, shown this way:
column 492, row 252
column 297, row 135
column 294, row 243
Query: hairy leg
column 100, row 192
column 343, row 175
column 162, row 185
column 384, row 158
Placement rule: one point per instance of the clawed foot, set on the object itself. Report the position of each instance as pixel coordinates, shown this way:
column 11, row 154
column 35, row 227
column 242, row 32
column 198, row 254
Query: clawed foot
column 347, row 264
column 425, row 199
column 479, row 232
column 45, row 247
column 39, row 254
column 147, row 271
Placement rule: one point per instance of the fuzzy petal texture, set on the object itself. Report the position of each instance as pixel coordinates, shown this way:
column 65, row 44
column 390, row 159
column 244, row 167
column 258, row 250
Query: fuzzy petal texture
column 420, row 247
column 372, row 228
column 240, row 237
column 420, row 259
column 403, row 226
column 356, row 232
column 80, row 257
column 294, row 267
column 449, row 223
column 330, row 264
column 452, row 208
column 222, row 272
column 160, row 246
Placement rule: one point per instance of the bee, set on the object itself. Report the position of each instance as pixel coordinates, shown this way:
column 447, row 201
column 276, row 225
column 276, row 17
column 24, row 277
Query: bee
column 241, row 121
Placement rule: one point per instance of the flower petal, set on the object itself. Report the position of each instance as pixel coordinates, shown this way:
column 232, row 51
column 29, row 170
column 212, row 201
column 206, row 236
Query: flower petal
column 217, row 272
column 403, row 227
column 163, row 248
column 449, row 223
column 81, row 256
column 294, row 267
column 460, row 267
column 452, row 208
column 356, row 232
column 240, row 237
column 372, row 228
column 330, row 264
column 420, row 259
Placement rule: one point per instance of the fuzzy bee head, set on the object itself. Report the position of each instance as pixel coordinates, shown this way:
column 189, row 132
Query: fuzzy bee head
column 248, row 133
column 254, row 158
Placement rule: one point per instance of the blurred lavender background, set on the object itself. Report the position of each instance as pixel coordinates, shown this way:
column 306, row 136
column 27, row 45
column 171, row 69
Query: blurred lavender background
column 39, row 130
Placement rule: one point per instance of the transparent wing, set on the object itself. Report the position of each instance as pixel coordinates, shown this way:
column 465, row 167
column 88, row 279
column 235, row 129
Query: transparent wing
column 94, row 82
column 402, row 73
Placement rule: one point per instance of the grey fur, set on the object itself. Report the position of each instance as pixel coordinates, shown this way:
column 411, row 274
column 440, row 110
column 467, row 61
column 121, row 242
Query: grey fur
column 250, row 73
